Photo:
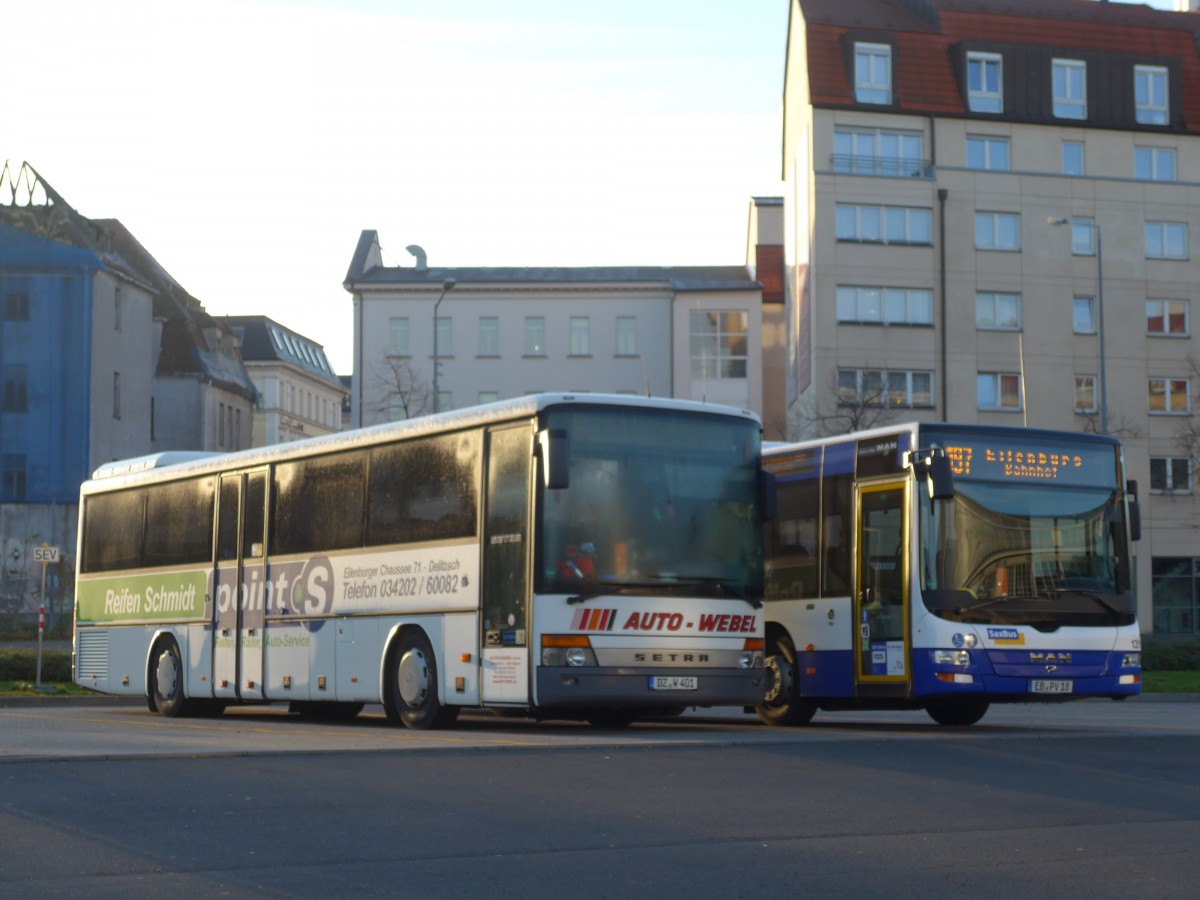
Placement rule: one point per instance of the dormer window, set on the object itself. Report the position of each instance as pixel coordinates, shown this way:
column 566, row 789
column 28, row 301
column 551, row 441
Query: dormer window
column 872, row 73
column 1150, row 95
column 985, row 91
column 1069, row 80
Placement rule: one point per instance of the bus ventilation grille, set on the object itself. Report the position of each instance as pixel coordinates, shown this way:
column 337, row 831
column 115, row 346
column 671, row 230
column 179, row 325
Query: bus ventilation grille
column 92, row 659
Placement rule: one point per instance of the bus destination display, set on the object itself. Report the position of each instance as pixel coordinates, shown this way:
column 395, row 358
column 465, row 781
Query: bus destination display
column 1001, row 461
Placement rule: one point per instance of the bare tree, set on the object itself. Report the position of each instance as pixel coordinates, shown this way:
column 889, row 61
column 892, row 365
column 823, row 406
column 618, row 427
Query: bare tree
column 1119, row 425
column 831, row 411
column 1187, row 433
column 397, row 386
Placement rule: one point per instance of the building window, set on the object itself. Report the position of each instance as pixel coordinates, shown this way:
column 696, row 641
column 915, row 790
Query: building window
column 1150, row 95
column 398, row 336
column 1166, row 240
column 1154, row 163
column 445, row 401
column 884, row 305
column 1175, row 589
column 1170, row 396
column 221, row 425
column 878, row 387
column 1170, row 474
column 1069, row 79
column 488, row 396
column 875, row 151
column 873, row 73
column 626, row 335
column 1083, row 315
column 1083, row 237
column 445, row 337
column 16, row 306
column 987, row 153
column 997, row 231
column 1085, row 393
column 581, row 336
column 395, row 408
column 116, row 395
column 118, row 303
column 997, row 312
column 535, row 336
column 719, row 344
column 985, row 92
column 1167, row 317
column 998, row 390
column 884, row 224
column 489, row 336
column 12, row 488
column 16, row 389
column 1072, row 157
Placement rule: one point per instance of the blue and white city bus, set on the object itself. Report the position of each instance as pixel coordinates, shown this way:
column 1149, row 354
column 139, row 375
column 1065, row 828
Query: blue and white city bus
column 562, row 555
column 948, row 567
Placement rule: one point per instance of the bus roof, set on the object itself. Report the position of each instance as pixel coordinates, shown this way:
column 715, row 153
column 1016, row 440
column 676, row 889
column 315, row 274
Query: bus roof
column 167, row 466
column 774, row 447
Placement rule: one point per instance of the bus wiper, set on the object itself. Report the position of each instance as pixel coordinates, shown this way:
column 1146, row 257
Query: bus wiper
column 1099, row 598
column 991, row 601
column 724, row 585
column 619, row 587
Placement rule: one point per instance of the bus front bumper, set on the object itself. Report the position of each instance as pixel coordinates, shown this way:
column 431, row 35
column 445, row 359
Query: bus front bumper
column 599, row 686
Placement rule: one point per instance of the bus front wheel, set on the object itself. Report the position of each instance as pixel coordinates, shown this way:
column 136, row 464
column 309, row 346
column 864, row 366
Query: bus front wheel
column 411, row 696
column 782, row 703
column 956, row 712
column 167, row 679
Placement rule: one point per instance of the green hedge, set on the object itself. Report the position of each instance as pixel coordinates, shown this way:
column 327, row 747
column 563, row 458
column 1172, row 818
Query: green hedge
column 21, row 665
column 1168, row 656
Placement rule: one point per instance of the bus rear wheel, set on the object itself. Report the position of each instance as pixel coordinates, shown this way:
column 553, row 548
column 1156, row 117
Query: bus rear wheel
column 411, row 693
column 956, row 712
column 782, row 703
column 167, row 679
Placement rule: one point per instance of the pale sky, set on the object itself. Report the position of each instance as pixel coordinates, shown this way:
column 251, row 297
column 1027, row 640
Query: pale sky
column 247, row 143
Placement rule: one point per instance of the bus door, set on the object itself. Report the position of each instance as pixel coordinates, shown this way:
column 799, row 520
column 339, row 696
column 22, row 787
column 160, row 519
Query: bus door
column 507, row 545
column 881, row 600
column 240, row 586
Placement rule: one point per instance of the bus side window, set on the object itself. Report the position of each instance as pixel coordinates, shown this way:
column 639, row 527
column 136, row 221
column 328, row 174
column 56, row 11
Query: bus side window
column 838, row 520
column 792, row 549
column 319, row 504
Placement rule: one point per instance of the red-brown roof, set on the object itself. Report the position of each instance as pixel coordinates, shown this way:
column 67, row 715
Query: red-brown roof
column 924, row 74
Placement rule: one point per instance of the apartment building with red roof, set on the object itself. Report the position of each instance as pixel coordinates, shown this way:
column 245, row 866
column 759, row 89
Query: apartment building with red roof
column 930, row 149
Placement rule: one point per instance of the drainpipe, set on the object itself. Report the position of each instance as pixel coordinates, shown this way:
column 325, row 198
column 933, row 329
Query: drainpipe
column 942, row 194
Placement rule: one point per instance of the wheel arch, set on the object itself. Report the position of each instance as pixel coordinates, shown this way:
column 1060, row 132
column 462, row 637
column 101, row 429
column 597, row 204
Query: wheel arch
column 431, row 628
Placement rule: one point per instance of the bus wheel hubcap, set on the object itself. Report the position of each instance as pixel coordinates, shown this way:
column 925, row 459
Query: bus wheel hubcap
column 413, row 678
column 779, row 683
column 167, row 675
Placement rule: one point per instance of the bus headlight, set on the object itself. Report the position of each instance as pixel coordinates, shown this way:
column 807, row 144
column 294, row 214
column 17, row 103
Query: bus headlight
column 752, row 654
column 567, row 650
column 1131, row 661
column 580, row 656
column 750, row 659
column 951, row 657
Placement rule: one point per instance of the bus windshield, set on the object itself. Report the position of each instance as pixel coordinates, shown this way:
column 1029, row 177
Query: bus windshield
column 1032, row 555
column 658, row 504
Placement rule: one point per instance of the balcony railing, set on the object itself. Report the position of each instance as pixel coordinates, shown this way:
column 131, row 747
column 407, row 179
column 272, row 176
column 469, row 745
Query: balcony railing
column 882, row 166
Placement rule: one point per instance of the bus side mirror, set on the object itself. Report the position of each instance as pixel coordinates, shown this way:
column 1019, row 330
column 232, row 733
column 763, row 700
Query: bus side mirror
column 555, row 449
column 768, row 495
column 934, row 467
column 941, row 478
column 1135, row 511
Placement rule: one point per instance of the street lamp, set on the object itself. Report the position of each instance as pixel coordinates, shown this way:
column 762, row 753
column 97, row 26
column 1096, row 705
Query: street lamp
column 1059, row 221
column 447, row 285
